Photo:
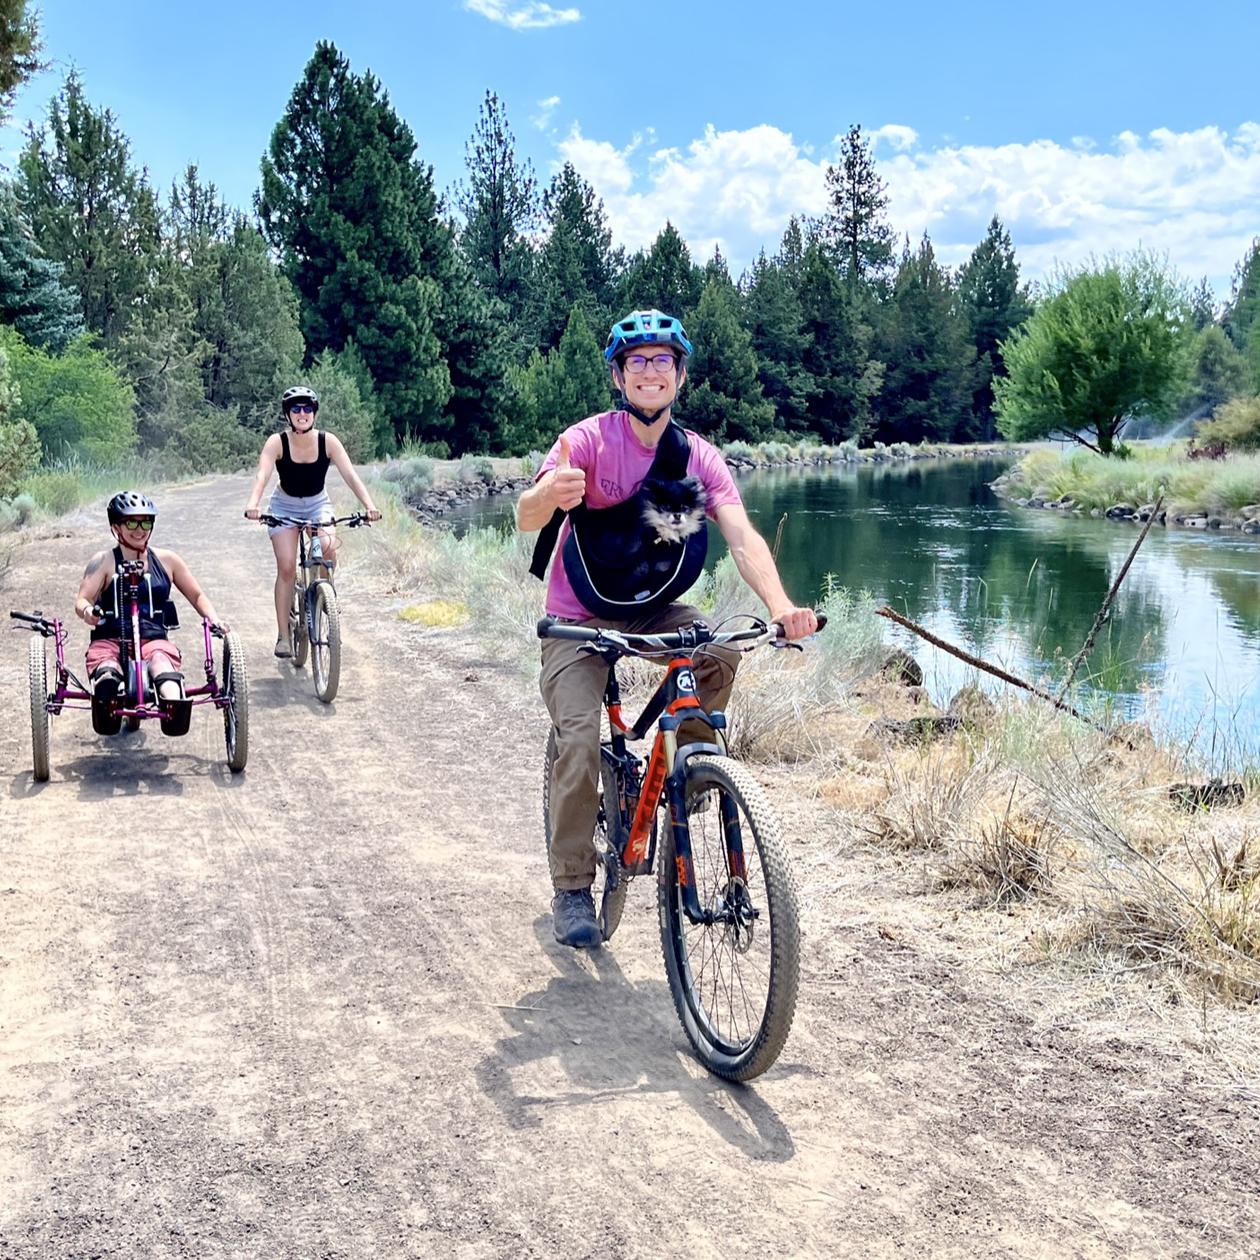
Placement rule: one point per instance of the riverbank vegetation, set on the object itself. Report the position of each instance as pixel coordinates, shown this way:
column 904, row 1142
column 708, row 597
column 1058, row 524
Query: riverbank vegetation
column 1225, row 490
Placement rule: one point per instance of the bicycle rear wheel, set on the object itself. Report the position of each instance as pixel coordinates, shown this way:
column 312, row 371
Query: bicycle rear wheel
column 734, row 981
column 609, row 903
column 325, row 642
column 236, row 711
column 37, row 676
column 298, row 638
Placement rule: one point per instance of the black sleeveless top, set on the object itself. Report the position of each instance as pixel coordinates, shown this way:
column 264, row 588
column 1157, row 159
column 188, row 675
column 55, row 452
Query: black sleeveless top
column 156, row 610
column 301, row 481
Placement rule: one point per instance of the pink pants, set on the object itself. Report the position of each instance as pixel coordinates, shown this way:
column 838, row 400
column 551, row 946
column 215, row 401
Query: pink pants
column 109, row 652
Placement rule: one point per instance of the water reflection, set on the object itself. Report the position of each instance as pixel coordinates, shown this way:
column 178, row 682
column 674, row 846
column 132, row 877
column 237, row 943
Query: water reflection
column 1021, row 588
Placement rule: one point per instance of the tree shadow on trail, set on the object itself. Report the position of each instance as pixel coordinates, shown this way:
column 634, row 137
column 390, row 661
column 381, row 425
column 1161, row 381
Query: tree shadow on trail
column 616, row 1040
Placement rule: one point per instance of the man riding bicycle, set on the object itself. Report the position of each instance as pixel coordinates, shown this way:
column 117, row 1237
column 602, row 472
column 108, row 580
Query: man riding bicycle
column 634, row 453
column 100, row 603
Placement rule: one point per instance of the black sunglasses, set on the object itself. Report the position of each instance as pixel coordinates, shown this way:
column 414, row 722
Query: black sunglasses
column 303, row 407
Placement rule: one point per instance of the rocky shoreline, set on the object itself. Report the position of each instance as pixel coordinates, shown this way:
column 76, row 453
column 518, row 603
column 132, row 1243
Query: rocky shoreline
column 1244, row 520
column 438, row 500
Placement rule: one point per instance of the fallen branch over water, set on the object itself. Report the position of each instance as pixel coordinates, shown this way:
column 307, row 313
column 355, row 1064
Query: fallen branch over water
column 1105, row 607
column 977, row 663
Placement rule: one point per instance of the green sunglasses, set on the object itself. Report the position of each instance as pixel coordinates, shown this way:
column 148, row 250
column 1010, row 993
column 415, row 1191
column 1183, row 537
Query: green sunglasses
column 138, row 522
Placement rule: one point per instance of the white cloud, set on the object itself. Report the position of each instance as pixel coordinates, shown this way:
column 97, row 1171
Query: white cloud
column 546, row 107
column 520, row 17
column 896, row 136
column 1190, row 194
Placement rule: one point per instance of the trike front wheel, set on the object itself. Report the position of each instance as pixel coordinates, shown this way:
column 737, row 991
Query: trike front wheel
column 236, row 710
column 733, row 979
column 37, row 675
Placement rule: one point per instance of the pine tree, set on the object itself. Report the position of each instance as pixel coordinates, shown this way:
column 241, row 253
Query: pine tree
column 19, row 50
column 1203, row 305
column 993, row 303
column 773, row 317
column 90, row 209
column 242, row 309
column 926, row 393
column 575, row 264
column 32, row 296
column 556, row 390
column 1242, row 311
column 354, row 217
column 856, row 224
column 499, row 205
column 723, row 397
column 843, row 377
column 663, row 278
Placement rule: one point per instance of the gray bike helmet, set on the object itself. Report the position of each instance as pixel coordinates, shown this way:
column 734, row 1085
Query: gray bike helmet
column 298, row 393
column 130, row 503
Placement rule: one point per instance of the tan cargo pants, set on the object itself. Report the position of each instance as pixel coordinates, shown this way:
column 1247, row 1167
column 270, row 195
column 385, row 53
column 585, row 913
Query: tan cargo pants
column 572, row 687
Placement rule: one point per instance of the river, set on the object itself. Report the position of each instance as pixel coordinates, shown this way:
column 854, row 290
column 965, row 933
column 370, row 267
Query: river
column 1020, row 588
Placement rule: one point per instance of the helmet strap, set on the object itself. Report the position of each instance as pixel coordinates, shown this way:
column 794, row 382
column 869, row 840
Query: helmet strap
column 647, row 417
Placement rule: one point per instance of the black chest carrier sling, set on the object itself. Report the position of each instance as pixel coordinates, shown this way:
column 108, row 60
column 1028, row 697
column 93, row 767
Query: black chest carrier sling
column 157, row 610
column 618, row 566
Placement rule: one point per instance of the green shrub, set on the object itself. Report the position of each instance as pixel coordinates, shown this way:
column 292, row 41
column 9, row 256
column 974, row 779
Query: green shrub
column 1236, row 423
column 739, row 451
column 24, row 508
column 474, row 468
column 531, row 463
column 56, row 491
column 412, row 475
column 19, row 454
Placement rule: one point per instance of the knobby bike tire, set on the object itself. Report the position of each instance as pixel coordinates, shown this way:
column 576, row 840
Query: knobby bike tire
column 235, row 677
column 609, row 906
column 326, row 645
column 707, row 967
column 37, row 674
column 301, row 643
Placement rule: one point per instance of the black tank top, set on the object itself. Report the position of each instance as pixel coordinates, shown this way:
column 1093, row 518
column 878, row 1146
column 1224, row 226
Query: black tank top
column 156, row 610
column 301, row 481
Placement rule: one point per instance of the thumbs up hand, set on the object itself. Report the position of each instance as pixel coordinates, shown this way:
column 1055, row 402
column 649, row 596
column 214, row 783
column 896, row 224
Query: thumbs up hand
column 568, row 484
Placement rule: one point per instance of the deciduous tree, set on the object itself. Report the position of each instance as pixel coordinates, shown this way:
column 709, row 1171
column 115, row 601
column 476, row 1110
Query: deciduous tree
column 1109, row 343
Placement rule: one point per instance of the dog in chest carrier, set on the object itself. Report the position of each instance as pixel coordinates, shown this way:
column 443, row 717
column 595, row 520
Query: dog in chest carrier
column 637, row 556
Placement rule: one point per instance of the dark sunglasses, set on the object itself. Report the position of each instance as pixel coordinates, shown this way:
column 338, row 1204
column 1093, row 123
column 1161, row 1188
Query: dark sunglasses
column 636, row 363
column 138, row 522
column 302, row 407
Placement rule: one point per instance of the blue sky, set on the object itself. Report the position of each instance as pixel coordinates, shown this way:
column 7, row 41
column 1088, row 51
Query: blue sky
column 1088, row 126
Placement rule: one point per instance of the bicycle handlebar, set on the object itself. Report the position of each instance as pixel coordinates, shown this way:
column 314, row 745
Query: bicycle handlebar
column 683, row 639
column 36, row 622
column 354, row 520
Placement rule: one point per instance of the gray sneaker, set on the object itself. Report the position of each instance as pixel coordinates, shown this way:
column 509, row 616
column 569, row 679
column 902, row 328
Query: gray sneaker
column 574, row 913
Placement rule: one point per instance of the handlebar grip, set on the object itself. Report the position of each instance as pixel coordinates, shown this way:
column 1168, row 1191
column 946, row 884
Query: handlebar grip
column 550, row 628
column 17, row 616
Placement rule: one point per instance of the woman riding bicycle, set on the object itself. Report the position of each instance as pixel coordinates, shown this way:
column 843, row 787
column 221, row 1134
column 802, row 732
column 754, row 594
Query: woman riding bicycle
column 300, row 456
column 598, row 463
column 101, row 603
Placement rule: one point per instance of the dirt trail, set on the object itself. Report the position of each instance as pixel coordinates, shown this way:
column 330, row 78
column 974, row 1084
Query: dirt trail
column 315, row 1009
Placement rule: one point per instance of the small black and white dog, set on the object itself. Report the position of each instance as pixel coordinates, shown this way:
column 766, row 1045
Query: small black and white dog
column 673, row 510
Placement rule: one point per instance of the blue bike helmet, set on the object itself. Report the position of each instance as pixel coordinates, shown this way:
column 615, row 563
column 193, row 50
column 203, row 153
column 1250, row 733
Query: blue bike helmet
column 646, row 328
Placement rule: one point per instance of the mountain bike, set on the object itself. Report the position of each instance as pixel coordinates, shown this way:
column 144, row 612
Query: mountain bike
column 726, row 898
column 314, row 615
column 227, row 688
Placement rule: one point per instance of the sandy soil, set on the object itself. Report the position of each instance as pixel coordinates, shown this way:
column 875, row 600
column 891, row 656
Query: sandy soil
column 315, row 1010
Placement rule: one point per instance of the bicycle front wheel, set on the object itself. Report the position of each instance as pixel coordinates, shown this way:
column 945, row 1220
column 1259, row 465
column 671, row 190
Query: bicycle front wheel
column 326, row 642
column 37, row 676
column 734, row 980
column 609, row 902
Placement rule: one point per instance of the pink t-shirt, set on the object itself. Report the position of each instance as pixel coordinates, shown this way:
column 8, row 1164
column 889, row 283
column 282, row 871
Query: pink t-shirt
column 607, row 449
